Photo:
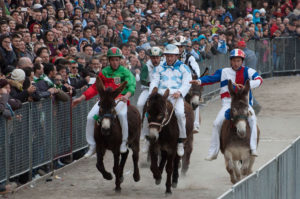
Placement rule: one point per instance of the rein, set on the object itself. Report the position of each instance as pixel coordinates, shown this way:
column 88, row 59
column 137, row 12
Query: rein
column 165, row 120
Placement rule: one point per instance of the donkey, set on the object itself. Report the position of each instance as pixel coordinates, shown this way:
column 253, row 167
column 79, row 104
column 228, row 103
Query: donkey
column 194, row 95
column 108, row 134
column 234, row 140
column 162, row 119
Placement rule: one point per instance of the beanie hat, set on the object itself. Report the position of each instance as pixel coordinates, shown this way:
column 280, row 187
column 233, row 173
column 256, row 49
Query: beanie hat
column 18, row 75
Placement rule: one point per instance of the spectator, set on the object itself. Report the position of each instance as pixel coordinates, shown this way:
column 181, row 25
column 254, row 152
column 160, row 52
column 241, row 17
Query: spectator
column 7, row 55
column 5, row 109
column 75, row 80
column 17, row 91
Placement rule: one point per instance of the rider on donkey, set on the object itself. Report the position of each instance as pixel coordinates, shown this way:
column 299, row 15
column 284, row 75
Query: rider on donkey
column 155, row 54
column 238, row 74
column 174, row 75
column 188, row 59
column 111, row 76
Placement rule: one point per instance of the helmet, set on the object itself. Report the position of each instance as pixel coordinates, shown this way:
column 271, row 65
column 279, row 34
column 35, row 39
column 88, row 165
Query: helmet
column 237, row 53
column 114, row 52
column 180, row 41
column 171, row 49
column 155, row 51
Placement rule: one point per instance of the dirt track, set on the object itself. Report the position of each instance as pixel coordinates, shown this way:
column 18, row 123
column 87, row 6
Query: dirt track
column 279, row 122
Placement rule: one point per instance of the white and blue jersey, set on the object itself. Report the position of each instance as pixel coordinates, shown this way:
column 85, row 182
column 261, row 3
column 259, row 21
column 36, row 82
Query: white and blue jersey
column 175, row 78
column 238, row 77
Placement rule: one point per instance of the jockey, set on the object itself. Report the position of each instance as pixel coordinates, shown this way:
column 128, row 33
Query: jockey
column 155, row 54
column 112, row 76
column 238, row 74
column 174, row 75
column 188, row 59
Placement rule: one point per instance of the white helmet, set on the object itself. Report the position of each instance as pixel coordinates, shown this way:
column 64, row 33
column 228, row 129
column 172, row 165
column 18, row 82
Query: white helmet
column 171, row 49
column 180, row 41
column 155, row 51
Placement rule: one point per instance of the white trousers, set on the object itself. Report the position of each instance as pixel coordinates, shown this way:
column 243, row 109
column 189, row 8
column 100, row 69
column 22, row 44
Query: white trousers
column 179, row 112
column 140, row 105
column 121, row 110
column 197, row 115
column 215, row 139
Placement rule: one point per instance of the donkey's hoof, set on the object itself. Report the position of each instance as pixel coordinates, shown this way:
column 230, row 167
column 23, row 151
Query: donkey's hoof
column 107, row 176
column 158, row 181
column 168, row 193
column 118, row 189
column 174, row 184
column 136, row 177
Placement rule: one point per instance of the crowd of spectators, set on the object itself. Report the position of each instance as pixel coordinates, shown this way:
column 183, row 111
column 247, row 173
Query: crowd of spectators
column 51, row 48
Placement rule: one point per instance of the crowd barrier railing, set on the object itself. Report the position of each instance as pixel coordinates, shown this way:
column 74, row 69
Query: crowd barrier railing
column 49, row 130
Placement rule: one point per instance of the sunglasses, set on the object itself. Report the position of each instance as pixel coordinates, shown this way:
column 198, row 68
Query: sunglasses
column 74, row 67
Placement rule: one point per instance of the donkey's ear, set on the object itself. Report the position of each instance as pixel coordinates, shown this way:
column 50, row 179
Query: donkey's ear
column 166, row 94
column 205, row 72
column 230, row 88
column 247, row 86
column 100, row 85
column 155, row 90
column 120, row 89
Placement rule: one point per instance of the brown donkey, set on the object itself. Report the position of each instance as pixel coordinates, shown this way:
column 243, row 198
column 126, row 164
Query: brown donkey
column 110, row 138
column 162, row 119
column 235, row 141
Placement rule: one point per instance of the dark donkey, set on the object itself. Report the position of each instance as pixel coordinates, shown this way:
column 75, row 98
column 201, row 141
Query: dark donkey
column 235, row 134
column 162, row 120
column 110, row 136
column 194, row 95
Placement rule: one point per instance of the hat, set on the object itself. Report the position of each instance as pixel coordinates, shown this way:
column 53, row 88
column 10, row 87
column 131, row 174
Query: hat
column 249, row 16
column 3, row 82
column 241, row 44
column 37, row 6
column 214, row 35
column 18, row 75
column 262, row 10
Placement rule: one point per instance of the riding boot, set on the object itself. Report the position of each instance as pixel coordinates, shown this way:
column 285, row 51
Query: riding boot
column 253, row 129
column 90, row 123
column 214, row 144
column 196, row 121
column 182, row 134
column 121, row 110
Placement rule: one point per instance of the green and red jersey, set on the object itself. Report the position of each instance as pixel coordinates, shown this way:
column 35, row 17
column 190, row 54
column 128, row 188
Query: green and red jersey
column 113, row 78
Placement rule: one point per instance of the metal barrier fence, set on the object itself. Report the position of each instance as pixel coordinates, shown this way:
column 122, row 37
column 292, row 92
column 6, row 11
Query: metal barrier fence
column 47, row 131
column 278, row 179
column 44, row 132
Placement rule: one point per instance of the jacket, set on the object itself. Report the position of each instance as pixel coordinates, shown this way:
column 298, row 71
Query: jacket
column 113, row 78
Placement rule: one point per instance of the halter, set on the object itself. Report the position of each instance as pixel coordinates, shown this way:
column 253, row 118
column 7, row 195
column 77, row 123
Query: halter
column 166, row 120
column 99, row 118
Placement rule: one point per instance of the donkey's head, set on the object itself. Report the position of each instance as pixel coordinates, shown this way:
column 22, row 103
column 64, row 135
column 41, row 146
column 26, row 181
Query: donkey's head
column 194, row 95
column 239, row 107
column 156, row 112
column 107, row 112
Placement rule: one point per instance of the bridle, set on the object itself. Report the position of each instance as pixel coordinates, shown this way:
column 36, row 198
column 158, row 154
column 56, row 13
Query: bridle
column 111, row 116
column 166, row 119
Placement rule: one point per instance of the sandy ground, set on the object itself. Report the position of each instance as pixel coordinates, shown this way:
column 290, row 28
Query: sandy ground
column 279, row 122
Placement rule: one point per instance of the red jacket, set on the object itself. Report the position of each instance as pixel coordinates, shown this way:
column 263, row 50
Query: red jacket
column 92, row 90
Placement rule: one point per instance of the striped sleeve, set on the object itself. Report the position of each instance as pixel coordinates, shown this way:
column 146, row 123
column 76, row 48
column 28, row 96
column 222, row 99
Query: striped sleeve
column 255, row 79
column 211, row 79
